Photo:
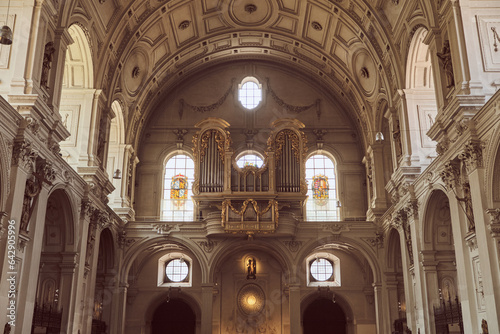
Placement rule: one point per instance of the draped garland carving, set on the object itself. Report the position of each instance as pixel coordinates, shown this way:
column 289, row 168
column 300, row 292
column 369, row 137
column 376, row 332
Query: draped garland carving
column 290, row 107
column 227, row 204
column 210, row 107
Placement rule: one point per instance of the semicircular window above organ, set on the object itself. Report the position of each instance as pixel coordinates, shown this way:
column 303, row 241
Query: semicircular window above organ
column 251, row 160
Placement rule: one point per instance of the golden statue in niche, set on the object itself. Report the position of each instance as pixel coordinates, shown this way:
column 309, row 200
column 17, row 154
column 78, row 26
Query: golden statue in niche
column 251, row 268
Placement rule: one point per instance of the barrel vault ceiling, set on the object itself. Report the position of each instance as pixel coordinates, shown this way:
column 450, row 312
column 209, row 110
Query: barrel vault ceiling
column 356, row 49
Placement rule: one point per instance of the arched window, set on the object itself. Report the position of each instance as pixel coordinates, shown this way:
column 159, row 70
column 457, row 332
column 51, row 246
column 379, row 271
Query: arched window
column 250, row 92
column 249, row 158
column 179, row 176
column 322, row 203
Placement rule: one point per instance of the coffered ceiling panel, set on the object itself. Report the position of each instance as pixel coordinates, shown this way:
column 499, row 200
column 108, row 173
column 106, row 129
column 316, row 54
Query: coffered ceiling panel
column 286, row 23
column 251, row 12
column 215, row 23
column 210, row 6
column 317, row 24
column 345, row 35
column 291, row 6
column 160, row 52
column 183, row 24
column 155, row 33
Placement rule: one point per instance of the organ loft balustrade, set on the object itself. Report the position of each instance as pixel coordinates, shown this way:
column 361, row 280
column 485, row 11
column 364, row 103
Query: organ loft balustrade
column 250, row 199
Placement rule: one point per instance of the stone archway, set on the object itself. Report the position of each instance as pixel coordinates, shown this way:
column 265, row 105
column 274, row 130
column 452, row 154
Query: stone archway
column 173, row 316
column 57, row 263
column 324, row 316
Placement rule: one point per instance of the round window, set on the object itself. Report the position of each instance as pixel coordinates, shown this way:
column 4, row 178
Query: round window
column 321, row 269
column 177, row 270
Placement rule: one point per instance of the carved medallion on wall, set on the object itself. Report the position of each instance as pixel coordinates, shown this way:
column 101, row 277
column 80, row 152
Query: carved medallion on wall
column 250, row 12
column 134, row 71
column 251, row 299
column 365, row 72
column 489, row 36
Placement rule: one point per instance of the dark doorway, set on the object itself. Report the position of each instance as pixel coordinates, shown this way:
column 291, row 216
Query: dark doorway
column 174, row 317
column 325, row 317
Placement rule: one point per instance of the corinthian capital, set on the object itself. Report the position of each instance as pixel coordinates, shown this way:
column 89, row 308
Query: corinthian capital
column 472, row 155
column 450, row 175
column 23, row 155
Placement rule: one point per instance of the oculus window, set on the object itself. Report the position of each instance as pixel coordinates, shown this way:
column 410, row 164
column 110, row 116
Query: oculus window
column 323, row 269
column 250, row 93
column 175, row 269
column 249, row 159
column 322, row 203
column 178, row 179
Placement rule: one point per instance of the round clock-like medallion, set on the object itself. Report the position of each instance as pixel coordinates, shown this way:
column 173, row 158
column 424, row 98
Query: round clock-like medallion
column 251, row 299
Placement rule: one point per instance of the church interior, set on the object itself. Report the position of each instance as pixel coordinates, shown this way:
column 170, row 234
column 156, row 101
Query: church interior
column 250, row 166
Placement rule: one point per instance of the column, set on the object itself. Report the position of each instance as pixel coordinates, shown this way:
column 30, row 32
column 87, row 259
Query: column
column 207, row 300
column 486, row 247
column 380, row 315
column 295, row 318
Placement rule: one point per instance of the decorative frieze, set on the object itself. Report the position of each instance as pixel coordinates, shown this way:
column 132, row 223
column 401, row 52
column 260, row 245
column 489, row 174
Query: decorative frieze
column 165, row 229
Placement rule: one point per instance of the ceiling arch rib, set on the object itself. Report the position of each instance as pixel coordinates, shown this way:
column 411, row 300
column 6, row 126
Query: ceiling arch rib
column 319, row 35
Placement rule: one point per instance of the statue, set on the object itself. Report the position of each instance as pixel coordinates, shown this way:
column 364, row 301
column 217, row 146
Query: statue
column 47, row 61
column 8, row 328
column 484, row 326
column 251, row 269
column 445, row 57
column 467, row 199
column 396, row 135
column 33, row 188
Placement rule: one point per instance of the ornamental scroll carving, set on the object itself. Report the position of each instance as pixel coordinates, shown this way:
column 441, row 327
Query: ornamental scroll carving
column 24, row 155
column 279, row 142
column 226, row 204
column 450, row 175
column 494, row 225
column 472, row 155
column 219, row 139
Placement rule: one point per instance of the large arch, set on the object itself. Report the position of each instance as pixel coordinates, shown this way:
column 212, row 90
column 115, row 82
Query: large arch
column 438, row 255
column 421, row 106
column 55, row 286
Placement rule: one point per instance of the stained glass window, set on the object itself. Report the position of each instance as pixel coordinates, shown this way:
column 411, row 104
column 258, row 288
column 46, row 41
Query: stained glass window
column 322, row 204
column 179, row 175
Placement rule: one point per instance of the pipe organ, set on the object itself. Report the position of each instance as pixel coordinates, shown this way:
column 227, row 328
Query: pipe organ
column 248, row 199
